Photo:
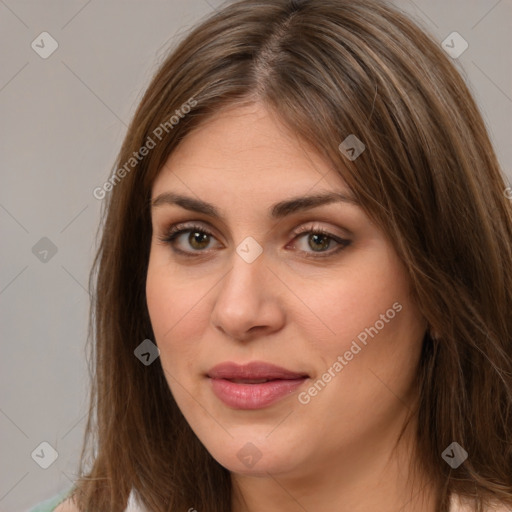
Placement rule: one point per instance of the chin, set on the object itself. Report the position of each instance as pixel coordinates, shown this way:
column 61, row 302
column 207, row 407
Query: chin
column 253, row 455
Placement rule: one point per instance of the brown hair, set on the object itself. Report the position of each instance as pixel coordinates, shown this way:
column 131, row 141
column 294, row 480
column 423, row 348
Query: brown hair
column 429, row 177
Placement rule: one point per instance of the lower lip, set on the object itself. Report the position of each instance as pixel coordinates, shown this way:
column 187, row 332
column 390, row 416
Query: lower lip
column 254, row 396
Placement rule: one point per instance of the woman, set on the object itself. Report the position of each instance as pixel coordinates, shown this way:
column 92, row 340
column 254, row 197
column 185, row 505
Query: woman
column 304, row 282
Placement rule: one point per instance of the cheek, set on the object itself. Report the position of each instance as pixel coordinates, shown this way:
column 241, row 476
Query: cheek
column 379, row 332
column 178, row 313
column 354, row 300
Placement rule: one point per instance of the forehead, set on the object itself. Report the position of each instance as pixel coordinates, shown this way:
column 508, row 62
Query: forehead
column 246, row 151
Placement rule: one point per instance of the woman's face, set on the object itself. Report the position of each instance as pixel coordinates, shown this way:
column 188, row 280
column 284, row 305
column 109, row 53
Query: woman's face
column 316, row 334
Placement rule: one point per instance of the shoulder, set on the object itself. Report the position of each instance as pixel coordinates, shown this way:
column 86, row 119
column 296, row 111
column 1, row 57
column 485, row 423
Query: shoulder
column 67, row 506
column 58, row 503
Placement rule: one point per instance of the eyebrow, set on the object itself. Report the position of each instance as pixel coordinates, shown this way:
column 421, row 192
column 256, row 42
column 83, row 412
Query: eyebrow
column 277, row 211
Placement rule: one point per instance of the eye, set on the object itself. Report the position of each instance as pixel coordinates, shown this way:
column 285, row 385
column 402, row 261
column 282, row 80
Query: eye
column 196, row 240
column 315, row 242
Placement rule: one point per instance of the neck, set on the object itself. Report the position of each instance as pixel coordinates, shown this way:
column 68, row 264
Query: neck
column 366, row 476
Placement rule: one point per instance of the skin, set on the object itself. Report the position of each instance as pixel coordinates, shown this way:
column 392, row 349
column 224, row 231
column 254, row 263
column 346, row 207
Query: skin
column 336, row 451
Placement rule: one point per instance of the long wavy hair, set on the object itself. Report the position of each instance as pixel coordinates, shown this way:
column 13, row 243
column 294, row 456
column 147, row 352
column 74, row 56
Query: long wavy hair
column 428, row 177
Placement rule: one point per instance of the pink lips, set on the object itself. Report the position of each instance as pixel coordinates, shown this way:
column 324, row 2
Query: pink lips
column 254, row 385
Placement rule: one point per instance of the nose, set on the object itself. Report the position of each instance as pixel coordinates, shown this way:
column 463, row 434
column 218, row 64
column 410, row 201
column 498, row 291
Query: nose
column 248, row 304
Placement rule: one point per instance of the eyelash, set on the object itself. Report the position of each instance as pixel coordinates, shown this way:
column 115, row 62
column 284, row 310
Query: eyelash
column 173, row 232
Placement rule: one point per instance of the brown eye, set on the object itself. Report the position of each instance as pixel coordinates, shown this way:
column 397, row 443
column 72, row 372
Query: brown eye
column 319, row 241
column 198, row 239
column 189, row 240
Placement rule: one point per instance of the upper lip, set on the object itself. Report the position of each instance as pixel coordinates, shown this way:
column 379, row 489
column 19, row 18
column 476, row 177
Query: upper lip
column 252, row 370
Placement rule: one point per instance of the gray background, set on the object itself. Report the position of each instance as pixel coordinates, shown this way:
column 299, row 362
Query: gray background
column 62, row 122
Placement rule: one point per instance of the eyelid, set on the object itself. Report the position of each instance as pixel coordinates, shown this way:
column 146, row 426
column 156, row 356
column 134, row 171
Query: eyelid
column 316, row 227
column 187, row 226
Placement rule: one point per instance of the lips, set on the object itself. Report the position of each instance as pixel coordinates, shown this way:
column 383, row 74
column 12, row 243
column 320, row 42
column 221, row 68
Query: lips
column 255, row 370
column 254, row 385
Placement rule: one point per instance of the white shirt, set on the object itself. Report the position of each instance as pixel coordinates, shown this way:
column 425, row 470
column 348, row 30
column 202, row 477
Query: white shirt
column 133, row 504
column 456, row 505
